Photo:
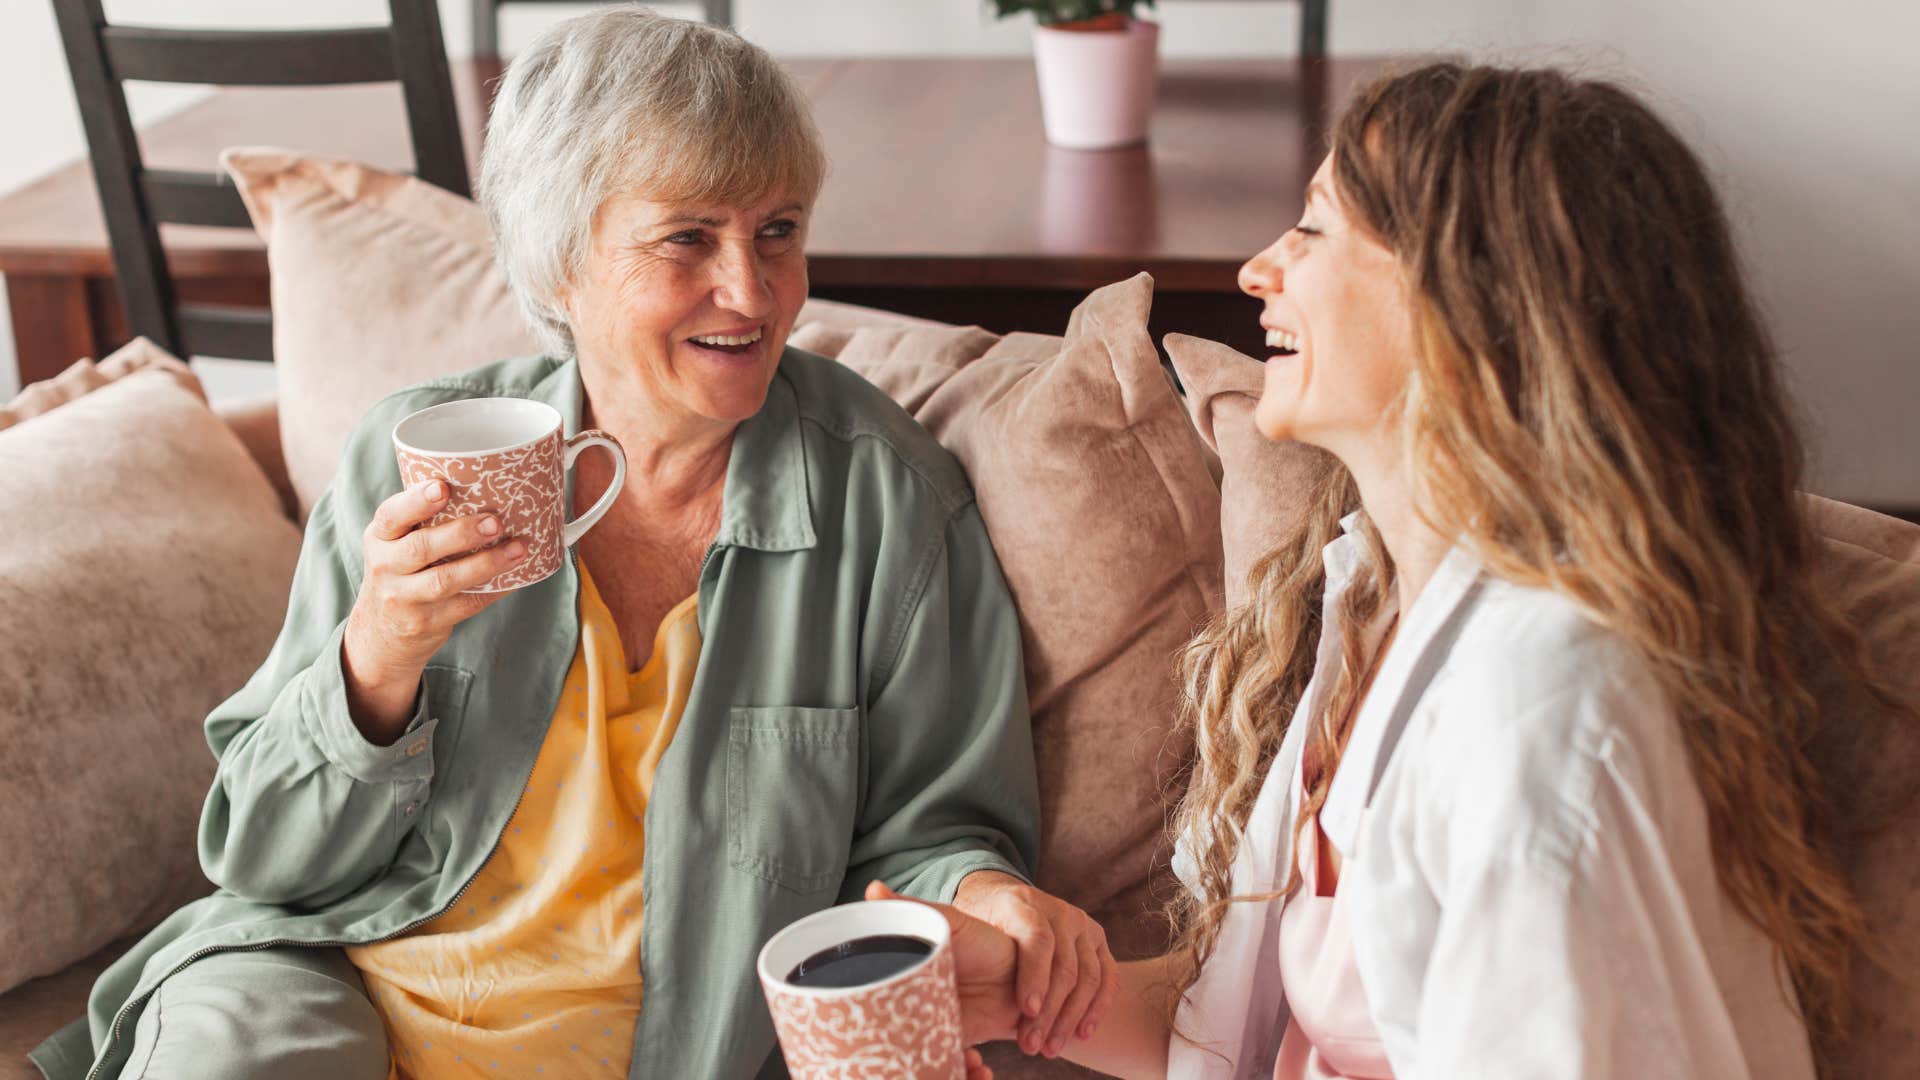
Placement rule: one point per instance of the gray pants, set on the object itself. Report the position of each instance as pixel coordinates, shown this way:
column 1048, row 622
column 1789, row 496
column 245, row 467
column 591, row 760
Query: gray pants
column 286, row 1013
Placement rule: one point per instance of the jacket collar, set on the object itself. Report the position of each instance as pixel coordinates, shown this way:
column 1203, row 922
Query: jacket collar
column 1233, row 1017
column 1426, row 635
column 766, row 505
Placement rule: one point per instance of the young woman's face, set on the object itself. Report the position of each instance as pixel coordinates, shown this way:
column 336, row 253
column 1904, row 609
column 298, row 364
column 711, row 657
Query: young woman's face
column 1339, row 326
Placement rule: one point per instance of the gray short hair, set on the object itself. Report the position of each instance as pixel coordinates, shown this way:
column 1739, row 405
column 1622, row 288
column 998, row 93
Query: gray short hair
column 624, row 99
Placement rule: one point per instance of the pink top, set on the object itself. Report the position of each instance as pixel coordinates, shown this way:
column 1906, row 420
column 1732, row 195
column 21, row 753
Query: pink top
column 1330, row 1034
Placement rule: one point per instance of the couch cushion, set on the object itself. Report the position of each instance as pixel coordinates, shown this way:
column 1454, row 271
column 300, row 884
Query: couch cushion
column 86, row 376
column 255, row 421
column 1870, row 570
column 1097, row 495
column 1264, row 485
column 144, row 562
column 381, row 280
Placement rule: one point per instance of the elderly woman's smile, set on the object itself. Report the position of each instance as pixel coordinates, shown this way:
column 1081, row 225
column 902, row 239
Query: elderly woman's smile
column 690, row 303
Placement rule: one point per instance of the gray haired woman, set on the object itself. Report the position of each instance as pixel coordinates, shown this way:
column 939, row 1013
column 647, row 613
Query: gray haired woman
column 454, row 833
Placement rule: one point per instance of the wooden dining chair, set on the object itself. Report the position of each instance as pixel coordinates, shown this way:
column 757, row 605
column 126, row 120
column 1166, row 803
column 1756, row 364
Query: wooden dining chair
column 486, row 19
column 136, row 200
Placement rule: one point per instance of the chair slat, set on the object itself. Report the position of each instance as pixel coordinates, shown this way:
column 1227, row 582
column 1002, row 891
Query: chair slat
column 194, row 198
column 1313, row 28
column 139, row 265
column 135, row 199
column 250, row 57
column 230, row 332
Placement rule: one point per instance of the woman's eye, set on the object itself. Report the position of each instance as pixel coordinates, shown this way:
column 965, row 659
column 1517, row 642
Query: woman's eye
column 1306, row 230
column 685, row 238
column 779, row 230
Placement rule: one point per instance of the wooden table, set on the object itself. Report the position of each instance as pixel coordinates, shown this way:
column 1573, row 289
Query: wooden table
column 944, row 199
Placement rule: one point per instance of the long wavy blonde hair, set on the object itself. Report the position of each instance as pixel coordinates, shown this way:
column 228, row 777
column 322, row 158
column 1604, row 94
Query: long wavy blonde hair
column 1599, row 412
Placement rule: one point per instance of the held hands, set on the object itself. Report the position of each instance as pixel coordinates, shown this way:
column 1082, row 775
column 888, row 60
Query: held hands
column 983, row 965
column 1067, row 974
column 407, row 606
column 1031, row 966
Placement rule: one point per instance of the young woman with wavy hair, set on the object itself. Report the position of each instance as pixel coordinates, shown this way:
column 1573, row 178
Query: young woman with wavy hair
column 1501, row 764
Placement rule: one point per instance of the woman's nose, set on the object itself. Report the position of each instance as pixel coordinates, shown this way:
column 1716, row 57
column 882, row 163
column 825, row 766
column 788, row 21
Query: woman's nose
column 742, row 285
column 1261, row 274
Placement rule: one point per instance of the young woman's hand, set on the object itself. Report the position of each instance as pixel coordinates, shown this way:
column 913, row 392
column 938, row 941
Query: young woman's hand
column 983, row 963
column 1067, row 974
column 1140, row 996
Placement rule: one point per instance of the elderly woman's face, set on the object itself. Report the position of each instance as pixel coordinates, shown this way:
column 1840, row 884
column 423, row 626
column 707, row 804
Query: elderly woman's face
column 691, row 303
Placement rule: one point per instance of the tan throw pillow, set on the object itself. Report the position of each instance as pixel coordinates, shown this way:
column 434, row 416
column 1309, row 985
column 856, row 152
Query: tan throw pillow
column 1264, row 485
column 1869, row 567
column 1096, row 493
column 144, row 564
column 379, row 281
column 85, row 376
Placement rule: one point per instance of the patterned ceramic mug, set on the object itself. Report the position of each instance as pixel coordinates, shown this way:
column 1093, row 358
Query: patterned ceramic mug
column 904, row 1025
column 505, row 456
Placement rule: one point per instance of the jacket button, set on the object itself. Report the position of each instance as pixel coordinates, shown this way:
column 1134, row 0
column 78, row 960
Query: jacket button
column 410, row 808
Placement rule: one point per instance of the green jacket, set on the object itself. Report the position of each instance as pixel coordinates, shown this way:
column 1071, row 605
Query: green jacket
column 858, row 712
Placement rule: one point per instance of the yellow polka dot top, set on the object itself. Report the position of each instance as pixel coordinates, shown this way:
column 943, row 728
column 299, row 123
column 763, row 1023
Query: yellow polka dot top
column 535, row 971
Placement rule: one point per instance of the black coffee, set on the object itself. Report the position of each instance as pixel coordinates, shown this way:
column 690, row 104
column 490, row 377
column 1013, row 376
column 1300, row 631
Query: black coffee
column 860, row 961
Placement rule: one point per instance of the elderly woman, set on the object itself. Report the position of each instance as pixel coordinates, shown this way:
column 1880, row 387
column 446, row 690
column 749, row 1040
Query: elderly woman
column 546, row 831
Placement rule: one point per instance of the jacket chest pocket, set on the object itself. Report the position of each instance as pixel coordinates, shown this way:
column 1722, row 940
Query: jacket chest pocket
column 792, row 787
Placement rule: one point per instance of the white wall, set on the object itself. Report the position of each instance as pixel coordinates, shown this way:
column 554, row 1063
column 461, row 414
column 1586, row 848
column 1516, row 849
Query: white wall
column 1809, row 112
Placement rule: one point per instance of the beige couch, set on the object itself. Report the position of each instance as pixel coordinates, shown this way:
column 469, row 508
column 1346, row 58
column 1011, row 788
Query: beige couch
column 146, row 542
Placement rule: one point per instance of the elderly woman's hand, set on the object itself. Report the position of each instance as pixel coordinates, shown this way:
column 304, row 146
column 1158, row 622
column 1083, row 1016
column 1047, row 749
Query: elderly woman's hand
column 1066, row 972
column 407, row 606
column 983, row 959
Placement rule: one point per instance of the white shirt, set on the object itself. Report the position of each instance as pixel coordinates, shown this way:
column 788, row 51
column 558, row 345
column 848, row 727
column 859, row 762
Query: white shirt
column 1526, row 864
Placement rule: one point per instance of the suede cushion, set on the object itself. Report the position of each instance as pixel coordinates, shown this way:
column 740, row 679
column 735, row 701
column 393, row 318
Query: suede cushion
column 379, row 281
column 1096, row 492
column 256, row 421
column 85, row 376
column 1264, row 485
column 1869, row 567
column 144, row 562
column 1870, row 570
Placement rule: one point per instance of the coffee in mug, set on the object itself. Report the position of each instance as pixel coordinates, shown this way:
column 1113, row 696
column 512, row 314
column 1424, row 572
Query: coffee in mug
column 866, row 991
column 861, row 961
column 506, row 457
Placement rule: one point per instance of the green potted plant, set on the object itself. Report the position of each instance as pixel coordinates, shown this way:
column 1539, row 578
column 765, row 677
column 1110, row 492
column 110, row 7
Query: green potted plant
column 1097, row 65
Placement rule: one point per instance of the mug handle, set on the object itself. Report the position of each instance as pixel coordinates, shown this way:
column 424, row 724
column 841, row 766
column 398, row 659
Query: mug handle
column 573, row 530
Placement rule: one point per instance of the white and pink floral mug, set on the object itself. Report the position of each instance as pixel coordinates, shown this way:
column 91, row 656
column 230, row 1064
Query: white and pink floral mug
column 902, row 1025
column 505, row 456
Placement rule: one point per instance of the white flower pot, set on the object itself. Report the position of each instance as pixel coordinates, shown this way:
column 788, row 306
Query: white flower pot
column 1097, row 86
